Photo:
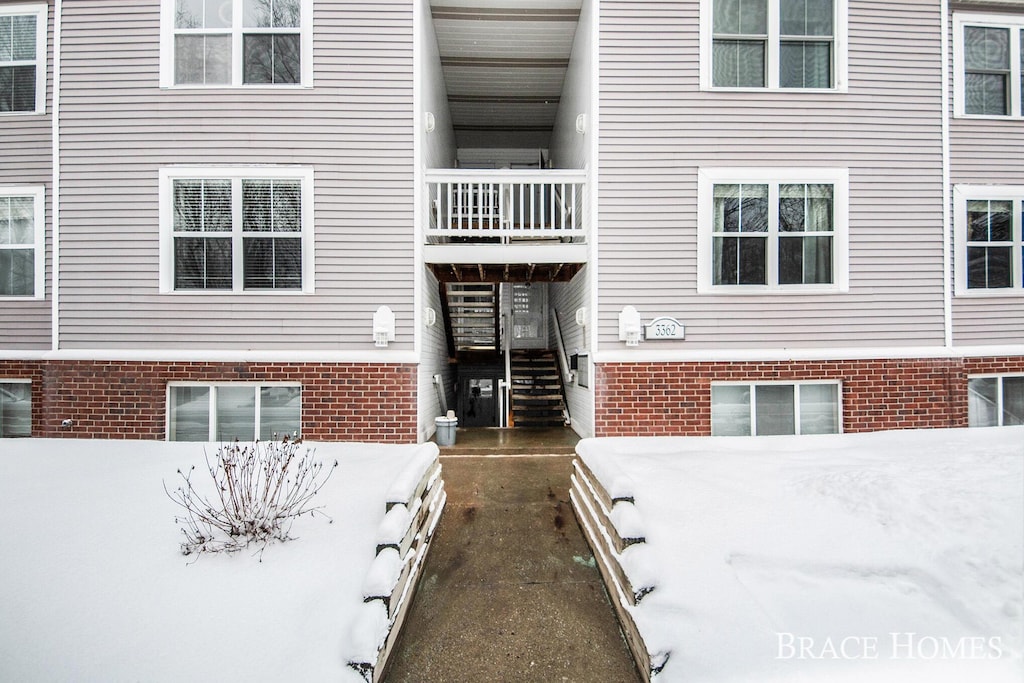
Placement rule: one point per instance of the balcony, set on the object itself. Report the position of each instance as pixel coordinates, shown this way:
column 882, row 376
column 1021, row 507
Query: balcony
column 506, row 225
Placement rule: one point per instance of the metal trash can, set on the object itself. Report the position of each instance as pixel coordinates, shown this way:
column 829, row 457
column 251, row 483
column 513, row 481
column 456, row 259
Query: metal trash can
column 446, row 427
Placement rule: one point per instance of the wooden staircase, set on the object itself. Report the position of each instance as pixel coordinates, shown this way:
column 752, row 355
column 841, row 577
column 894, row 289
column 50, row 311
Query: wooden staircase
column 538, row 399
column 472, row 314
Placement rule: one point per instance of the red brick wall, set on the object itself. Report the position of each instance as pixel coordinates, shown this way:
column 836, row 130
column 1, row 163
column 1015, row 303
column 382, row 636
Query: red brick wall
column 639, row 399
column 120, row 399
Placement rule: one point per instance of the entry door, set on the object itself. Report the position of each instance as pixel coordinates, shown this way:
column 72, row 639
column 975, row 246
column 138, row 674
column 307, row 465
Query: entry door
column 478, row 406
column 529, row 315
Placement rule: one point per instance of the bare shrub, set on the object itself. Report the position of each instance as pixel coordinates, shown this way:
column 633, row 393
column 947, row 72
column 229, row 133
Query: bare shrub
column 260, row 489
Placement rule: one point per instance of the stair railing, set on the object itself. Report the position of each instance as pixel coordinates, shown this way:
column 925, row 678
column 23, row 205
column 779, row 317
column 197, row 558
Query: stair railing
column 563, row 363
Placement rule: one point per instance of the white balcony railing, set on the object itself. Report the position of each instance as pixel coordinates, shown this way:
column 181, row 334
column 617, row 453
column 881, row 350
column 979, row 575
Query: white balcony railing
column 487, row 206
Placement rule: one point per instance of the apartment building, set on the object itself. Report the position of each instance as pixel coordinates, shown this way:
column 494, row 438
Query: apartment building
column 237, row 218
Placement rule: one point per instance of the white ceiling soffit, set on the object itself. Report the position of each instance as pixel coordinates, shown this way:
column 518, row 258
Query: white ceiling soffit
column 504, row 66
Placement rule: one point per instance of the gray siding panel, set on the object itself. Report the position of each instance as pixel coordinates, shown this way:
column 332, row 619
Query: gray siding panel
column 353, row 128
column 986, row 152
column 26, row 159
column 658, row 128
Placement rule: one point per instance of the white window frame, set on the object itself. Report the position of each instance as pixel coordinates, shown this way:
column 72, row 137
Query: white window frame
column 961, row 195
column 999, row 392
column 167, row 33
column 839, row 178
column 840, row 41
column 40, row 12
column 1015, row 24
column 213, row 387
column 236, row 174
column 18, row 380
column 796, row 384
column 37, row 193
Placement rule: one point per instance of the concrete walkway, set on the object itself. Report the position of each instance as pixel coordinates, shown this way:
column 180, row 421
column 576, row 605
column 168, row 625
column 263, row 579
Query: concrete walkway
column 509, row 591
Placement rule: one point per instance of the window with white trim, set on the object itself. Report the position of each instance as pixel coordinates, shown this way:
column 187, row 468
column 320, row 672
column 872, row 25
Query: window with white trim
column 760, row 409
column 987, row 59
column 15, row 408
column 236, row 42
column 22, row 59
column 772, row 230
column 230, row 411
column 776, row 44
column 22, row 258
column 989, row 249
column 995, row 401
column 236, row 229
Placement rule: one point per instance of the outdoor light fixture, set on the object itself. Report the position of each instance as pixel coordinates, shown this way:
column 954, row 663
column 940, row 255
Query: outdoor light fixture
column 429, row 123
column 581, row 124
column 630, row 326
column 581, row 316
column 383, row 327
column 429, row 316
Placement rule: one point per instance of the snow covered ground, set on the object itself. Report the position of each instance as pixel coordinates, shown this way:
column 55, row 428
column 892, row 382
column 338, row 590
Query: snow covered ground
column 892, row 557
column 878, row 557
column 93, row 586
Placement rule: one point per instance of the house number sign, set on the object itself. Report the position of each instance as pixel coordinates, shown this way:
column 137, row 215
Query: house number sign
column 664, row 328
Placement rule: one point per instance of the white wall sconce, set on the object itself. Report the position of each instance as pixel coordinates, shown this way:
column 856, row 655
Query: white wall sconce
column 429, row 316
column 429, row 123
column 630, row 326
column 581, row 124
column 383, row 326
column 581, row 316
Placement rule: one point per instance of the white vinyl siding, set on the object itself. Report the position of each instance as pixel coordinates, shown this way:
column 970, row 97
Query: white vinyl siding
column 995, row 401
column 773, row 44
column 22, row 240
column 988, row 244
column 775, row 408
column 218, row 43
column 236, row 411
column 23, row 59
column 987, row 60
column 772, row 230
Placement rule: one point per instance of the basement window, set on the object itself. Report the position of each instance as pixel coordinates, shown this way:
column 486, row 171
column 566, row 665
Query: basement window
column 235, row 411
column 774, row 408
column 995, row 401
column 15, row 408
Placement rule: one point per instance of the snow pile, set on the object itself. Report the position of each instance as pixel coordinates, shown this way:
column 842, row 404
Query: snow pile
column 93, row 586
column 884, row 557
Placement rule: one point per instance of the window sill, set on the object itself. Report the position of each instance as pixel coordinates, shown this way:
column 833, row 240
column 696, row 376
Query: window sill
column 1001, row 293
column 840, row 90
column 241, row 86
column 763, row 290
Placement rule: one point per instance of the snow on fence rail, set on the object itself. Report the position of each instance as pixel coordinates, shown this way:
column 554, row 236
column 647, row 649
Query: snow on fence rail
column 615, row 532
column 413, row 508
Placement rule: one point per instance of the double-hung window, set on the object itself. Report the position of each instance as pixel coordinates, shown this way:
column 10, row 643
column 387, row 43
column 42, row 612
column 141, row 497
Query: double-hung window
column 773, row 44
column 987, row 59
column 237, row 42
column 996, row 401
column 761, row 409
column 772, row 230
column 247, row 229
column 226, row 412
column 989, row 250
column 22, row 59
column 21, row 242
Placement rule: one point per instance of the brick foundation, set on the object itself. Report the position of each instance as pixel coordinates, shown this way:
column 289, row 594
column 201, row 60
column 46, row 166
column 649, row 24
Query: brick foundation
column 127, row 400
column 661, row 399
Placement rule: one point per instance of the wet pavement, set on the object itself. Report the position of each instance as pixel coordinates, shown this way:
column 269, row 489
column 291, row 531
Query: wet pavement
column 510, row 591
